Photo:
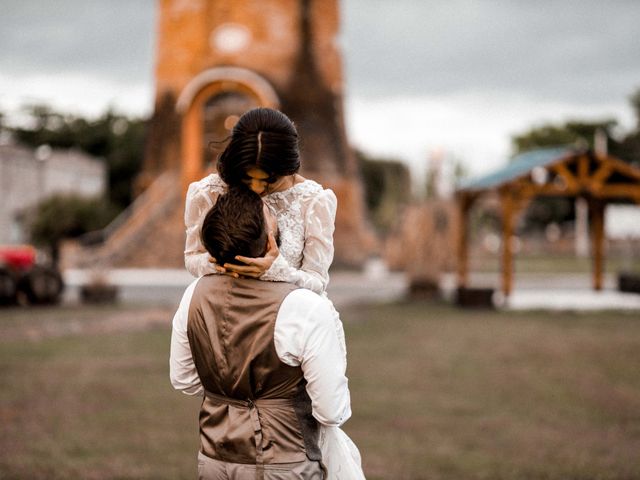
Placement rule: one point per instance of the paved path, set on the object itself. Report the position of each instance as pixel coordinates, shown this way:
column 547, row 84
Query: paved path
column 165, row 287
column 375, row 284
column 561, row 291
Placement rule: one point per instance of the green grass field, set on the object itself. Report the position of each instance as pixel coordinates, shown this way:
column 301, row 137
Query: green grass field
column 437, row 393
column 553, row 263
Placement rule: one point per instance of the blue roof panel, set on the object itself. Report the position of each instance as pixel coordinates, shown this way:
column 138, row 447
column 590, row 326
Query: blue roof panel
column 519, row 166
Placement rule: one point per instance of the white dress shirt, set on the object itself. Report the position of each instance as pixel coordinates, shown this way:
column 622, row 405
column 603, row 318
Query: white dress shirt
column 304, row 335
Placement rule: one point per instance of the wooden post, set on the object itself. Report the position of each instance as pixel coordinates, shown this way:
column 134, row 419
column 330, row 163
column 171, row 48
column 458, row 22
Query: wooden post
column 597, row 241
column 507, row 234
column 464, row 204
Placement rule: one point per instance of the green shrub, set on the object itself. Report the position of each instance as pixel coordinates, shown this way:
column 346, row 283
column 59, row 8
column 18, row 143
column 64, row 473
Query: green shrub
column 67, row 216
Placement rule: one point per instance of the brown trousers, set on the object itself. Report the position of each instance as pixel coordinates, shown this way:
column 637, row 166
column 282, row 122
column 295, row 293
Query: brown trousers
column 210, row 469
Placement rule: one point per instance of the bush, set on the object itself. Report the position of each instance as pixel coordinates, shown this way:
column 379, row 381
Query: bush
column 67, row 216
column 387, row 187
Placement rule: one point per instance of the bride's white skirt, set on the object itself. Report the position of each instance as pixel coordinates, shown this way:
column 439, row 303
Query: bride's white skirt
column 340, row 455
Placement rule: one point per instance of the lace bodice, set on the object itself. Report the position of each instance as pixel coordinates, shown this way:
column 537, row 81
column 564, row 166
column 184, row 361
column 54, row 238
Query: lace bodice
column 306, row 217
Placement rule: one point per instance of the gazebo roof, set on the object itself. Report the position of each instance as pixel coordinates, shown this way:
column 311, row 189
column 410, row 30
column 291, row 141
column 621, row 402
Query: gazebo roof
column 519, row 166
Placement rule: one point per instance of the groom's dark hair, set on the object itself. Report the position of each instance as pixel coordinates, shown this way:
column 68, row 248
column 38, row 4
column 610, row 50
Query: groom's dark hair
column 235, row 225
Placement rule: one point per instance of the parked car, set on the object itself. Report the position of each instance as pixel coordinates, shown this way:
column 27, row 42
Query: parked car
column 23, row 280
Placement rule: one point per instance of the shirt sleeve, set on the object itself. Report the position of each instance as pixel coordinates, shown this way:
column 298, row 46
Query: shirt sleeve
column 305, row 336
column 182, row 369
column 198, row 202
column 318, row 251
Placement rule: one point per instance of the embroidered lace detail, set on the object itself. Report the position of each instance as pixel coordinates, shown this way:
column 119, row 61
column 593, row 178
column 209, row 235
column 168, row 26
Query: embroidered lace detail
column 305, row 214
column 201, row 196
column 214, row 184
column 290, row 218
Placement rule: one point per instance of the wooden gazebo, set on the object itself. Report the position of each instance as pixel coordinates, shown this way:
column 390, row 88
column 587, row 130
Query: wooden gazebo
column 553, row 172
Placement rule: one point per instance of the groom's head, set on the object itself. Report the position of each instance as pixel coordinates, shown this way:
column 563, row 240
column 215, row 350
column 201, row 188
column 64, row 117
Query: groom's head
column 235, row 225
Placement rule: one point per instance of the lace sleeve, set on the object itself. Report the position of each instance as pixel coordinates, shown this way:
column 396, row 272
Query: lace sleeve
column 319, row 225
column 198, row 202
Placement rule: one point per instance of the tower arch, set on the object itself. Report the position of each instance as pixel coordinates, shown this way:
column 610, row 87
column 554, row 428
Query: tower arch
column 206, row 104
column 237, row 78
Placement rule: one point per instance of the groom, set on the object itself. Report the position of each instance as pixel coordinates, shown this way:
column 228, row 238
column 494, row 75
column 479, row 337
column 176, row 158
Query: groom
column 265, row 356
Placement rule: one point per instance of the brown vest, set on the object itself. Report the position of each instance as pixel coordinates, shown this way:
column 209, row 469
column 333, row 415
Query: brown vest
column 256, row 409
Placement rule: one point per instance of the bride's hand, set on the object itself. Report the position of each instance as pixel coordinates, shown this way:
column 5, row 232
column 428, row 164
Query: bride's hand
column 218, row 268
column 255, row 267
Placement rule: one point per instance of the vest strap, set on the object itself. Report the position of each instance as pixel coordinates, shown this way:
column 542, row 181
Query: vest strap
column 253, row 405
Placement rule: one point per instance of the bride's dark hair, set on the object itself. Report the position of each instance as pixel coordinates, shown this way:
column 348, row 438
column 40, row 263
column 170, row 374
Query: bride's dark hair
column 264, row 138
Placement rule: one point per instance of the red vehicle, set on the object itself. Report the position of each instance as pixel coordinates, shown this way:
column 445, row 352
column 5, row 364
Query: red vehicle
column 24, row 281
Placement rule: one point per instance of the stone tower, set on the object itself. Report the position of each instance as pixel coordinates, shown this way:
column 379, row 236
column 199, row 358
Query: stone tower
column 215, row 60
column 219, row 58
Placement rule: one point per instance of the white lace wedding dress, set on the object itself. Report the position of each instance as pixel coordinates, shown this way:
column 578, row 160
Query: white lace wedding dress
column 306, row 220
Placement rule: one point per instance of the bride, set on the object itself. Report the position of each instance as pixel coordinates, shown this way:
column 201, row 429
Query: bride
column 263, row 155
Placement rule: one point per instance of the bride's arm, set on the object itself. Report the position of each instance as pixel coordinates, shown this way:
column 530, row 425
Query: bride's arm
column 319, row 225
column 198, row 202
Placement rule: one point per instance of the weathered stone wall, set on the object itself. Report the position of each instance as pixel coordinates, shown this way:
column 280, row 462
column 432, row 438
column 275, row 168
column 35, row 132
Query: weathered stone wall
column 291, row 44
column 260, row 35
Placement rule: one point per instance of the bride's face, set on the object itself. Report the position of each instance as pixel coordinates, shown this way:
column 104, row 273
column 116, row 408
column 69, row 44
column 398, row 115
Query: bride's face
column 262, row 183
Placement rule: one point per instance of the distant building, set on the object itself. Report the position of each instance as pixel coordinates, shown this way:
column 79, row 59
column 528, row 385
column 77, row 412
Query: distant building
column 28, row 176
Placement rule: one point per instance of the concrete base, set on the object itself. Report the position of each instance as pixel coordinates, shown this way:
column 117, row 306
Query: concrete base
column 165, row 287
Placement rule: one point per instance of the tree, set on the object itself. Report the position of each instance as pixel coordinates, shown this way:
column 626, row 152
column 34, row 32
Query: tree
column 572, row 132
column 387, row 186
column 625, row 147
column 628, row 148
column 66, row 216
column 634, row 99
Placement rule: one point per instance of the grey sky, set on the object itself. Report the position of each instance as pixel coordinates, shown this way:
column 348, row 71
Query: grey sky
column 499, row 65
column 112, row 39
column 586, row 50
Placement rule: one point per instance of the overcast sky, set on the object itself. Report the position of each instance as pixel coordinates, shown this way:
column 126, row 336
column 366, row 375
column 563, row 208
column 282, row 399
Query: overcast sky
column 459, row 76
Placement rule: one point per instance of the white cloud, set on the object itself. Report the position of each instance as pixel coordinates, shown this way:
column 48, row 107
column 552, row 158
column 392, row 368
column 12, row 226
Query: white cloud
column 474, row 128
column 74, row 93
